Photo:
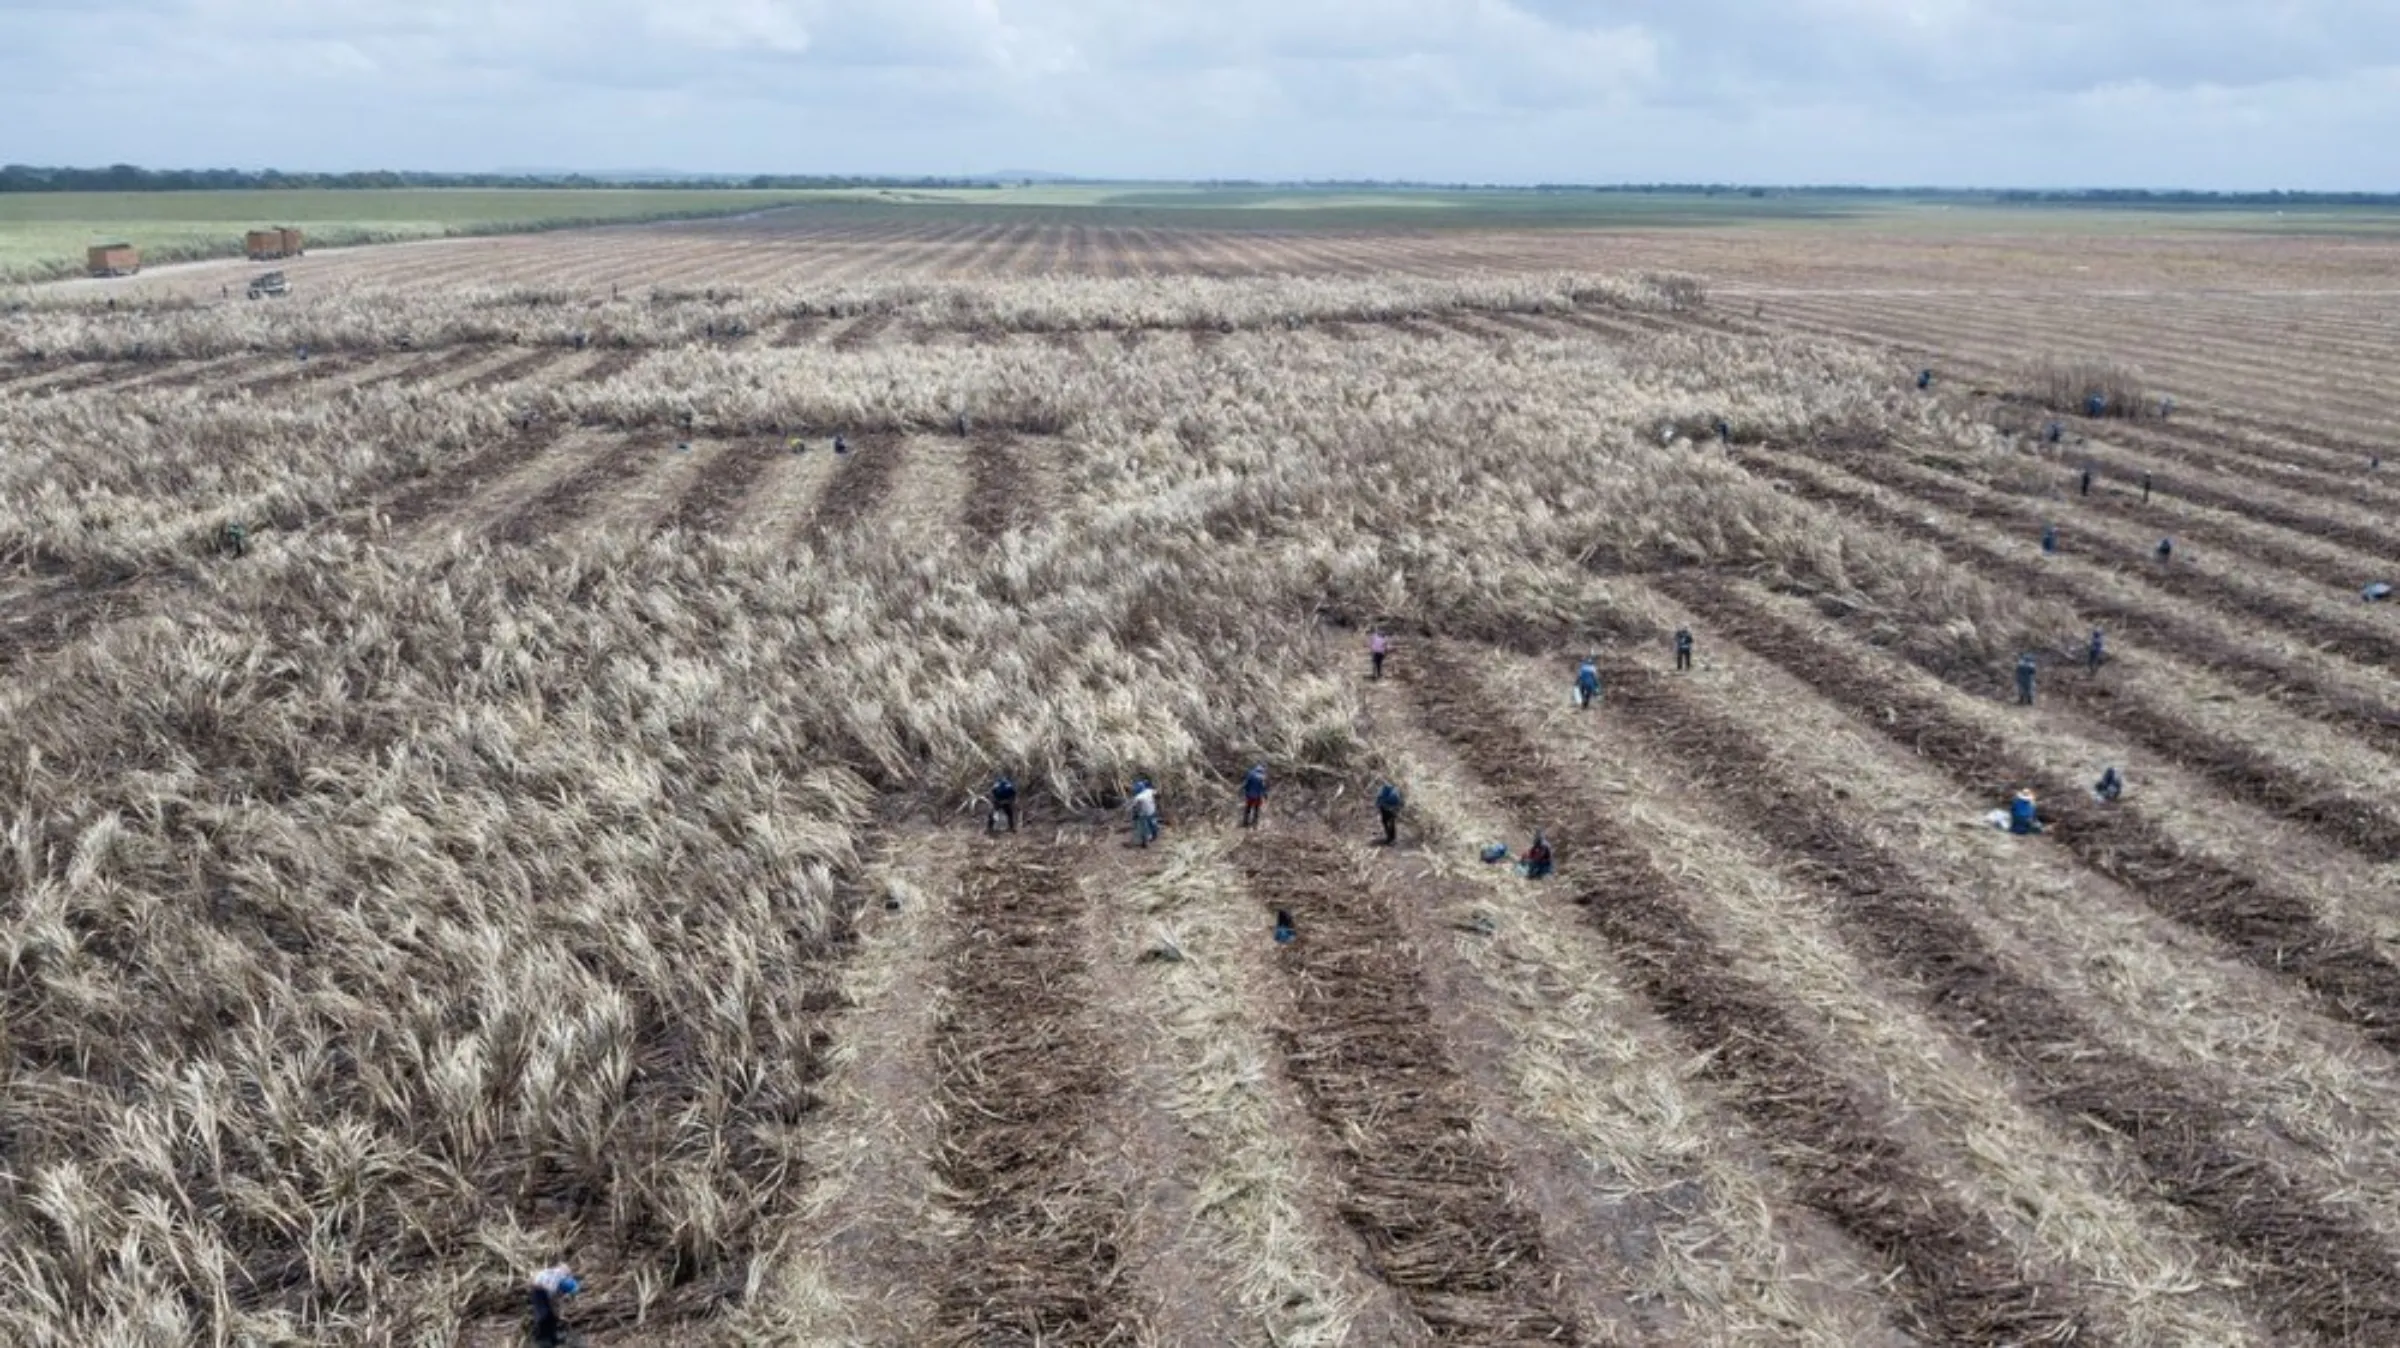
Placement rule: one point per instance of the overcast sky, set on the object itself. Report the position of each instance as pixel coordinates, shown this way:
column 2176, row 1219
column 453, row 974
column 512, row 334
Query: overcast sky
column 2201, row 93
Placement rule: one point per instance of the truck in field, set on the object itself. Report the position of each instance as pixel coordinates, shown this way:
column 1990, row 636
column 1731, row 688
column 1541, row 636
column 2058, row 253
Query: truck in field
column 113, row 259
column 273, row 245
column 271, row 283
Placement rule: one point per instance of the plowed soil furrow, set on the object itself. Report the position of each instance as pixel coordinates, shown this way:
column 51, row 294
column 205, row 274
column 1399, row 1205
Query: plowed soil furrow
column 2355, row 639
column 1019, row 1083
column 97, row 375
column 57, row 615
column 860, row 486
column 2325, row 807
column 516, row 371
column 2315, row 1272
column 1955, row 1276
column 430, row 366
column 2298, row 521
column 439, row 493
column 319, row 369
column 2272, row 929
column 999, row 498
column 861, row 331
column 1432, row 1203
column 801, row 331
column 2284, row 683
column 560, row 503
column 712, row 502
column 611, row 365
column 2213, row 529
column 2245, row 456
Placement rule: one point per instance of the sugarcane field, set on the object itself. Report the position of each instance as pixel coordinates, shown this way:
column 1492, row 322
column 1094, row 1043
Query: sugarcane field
column 982, row 779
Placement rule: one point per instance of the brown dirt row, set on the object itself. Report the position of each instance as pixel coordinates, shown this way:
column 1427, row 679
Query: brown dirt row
column 2374, row 542
column 1019, row 1081
column 1434, row 1205
column 2210, row 442
column 2118, row 495
column 293, row 373
column 611, row 365
column 206, row 371
column 566, row 499
column 439, row 493
column 861, row 331
column 801, row 331
column 429, row 366
column 1955, row 1277
column 2314, row 1272
column 2323, row 807
column 998, row 496
column 99, row 374
column 715, row 498
column 518, row 370
column 858, row 489
column 2354, row 640
column 2283, row 683
column 2272, row 929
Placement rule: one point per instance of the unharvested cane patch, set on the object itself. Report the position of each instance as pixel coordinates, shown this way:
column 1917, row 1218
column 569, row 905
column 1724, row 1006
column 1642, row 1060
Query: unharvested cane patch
column 2318, row 1274
column 1955, row 1276
column 1020, row 1083
column 1431, row 1201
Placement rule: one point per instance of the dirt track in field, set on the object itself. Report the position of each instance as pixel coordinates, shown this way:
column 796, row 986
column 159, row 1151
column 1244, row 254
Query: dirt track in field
column 2257, row 922
column 1434, row 1206
column 517, row 370
column 711, row 503
column 1955, row 1278
column 568, row 498
column 1019, row 1082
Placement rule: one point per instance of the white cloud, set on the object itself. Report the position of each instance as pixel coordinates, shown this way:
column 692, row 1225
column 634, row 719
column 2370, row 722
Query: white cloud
column 1960, row 91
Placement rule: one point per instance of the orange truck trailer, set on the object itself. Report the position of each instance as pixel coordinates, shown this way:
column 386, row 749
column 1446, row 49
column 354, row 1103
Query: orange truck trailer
column 113, row 259
column 269, row 245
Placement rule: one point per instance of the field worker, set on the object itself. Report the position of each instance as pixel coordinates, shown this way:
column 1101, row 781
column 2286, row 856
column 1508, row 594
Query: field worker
column 2376, row 592
column 1145, row 813
column 1683, row 648
column 1924, row 379
column 2110, row 787
column 962, row 425
column 1587, row 684
column 2166, row 549
column 1724, row 432
column 2374, row 461
column 1378, row 646
column 1285, row 932
column 840, row 446
column 547, row 1290
column 2023, row 818
column 2166, row 407
column 1004, row 804
column 1387, row 807
column 2087, row 482
column 2050, row 538
column 2025, row 673
column 2097, row 652
column 2054, row 432
column 235, row 539
column 2095, row 405
column 1538, row 863
column 1254, row 794
column 2145, row 489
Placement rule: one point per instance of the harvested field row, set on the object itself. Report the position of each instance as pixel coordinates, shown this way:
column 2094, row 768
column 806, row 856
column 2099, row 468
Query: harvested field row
column 1040, row 1259
column 2331, row 808
column 517, row 370
column 2257, row 922
column 2340, row 630
column 562, row 501
column 1433, row 1206
column 1954, row 1276
column 2291, row 684
column 2160, row 358
column 712, row 502
column 858, row 490
column 2315, row 1273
